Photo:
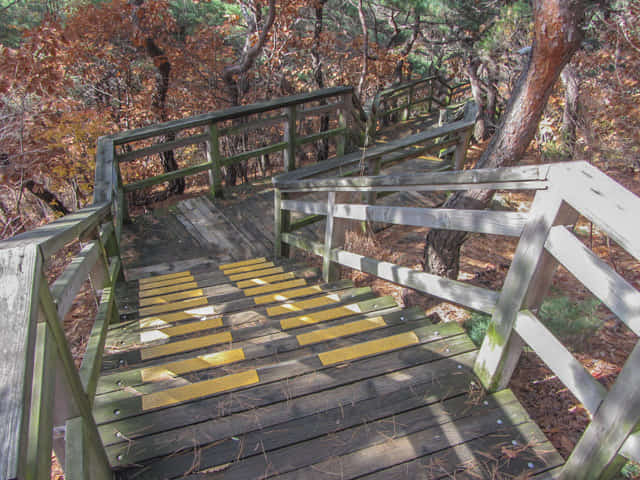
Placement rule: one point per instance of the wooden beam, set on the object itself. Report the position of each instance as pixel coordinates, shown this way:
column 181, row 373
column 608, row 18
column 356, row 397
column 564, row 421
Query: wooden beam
column 55, row 235
column 166, row 177
column 500, row 350
column 602, row 200
column 478, row 221
column 103, row 180
column 476, row 298
column 67, row 286
column 595, row 274
column 41, row 411
column 162, row 147
column 227, row 114
column 290, row 139
column 214, row 159
column 569, row 370
column 276, row 147
column 21, row 273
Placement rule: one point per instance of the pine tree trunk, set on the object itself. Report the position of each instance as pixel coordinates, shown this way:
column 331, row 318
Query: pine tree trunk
column 557, row 35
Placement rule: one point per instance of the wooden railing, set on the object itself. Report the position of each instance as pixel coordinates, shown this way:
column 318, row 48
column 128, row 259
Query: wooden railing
column 46, row 401
column 562, row 191
column 284, row 115
column 403, row 100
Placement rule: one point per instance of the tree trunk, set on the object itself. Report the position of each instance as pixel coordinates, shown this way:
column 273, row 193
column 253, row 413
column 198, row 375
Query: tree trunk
column 480, row 129
column 557, row 35
column 571, row 108
column 318, row 76
column 365, row 49
column 47, row 196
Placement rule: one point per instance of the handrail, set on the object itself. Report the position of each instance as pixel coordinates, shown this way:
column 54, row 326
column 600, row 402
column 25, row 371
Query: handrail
column 562, row 191
column 286, row 112
column 43, row 388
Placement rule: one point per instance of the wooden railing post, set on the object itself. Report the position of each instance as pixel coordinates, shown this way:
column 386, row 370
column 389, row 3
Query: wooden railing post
column 344, row 114
column 406, row 113
column 501, row 347
column 214, row 158
column 281, row 225
column 290, row 138
column 460, row 153
column 330, row 271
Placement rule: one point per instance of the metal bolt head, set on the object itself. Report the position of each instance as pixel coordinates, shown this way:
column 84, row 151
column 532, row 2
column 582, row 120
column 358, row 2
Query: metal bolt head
column 116, row 411
column 120, row 457
column 530, row 465
column 499, row 422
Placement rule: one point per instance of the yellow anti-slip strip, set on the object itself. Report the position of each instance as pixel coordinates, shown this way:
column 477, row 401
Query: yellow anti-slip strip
column 254, row 282
column 368, row 348
column 253, row 274
column 167, row 307
column 323, row 316
column 200, row 389
column 288, row 295
column 159, row 278
column 243, row 263
column 185, row 345
column 153, row 335
column 303, row 305
column 152, row 292
column 249, row 268
column 181, row 367
column 172, row 297
column 169, row 318
column 166, row 283
column 339, row 331
column 274, row 287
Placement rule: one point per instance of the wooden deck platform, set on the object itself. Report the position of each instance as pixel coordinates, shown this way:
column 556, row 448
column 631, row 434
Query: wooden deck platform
column 256, row 370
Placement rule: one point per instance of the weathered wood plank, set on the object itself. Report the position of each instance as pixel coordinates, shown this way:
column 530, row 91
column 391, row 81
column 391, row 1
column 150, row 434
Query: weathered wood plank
column 21, row 273
column 497, row 358
column 69, row 378
column 92, row 360
column 41, row 412
column 275, row 147
column 231, row 337
column 595, row 274
column 252, row 354
column 465, row 177
column 103, row 180
column 569, row 370
column 479, row 221
column 67, row 286
column 271, row 392
column 615, row 420
column 55, row 235
column 369, row 452
column 460, row 293
column 166, row 177
column 602, row 200
column 227, row 114
column 523, row 451
column 258, row 123
column 162, row 147
column 350, row 426
column 342, row 394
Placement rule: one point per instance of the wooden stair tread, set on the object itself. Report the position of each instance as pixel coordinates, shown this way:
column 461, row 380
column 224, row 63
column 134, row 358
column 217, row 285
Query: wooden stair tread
column 255, row 380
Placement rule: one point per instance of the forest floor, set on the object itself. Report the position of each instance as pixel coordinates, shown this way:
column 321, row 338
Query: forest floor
column 609, row 138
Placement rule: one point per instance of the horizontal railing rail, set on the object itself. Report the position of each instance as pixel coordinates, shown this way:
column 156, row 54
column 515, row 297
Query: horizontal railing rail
column 285, row 114
column 47, row 400
column 562, row 192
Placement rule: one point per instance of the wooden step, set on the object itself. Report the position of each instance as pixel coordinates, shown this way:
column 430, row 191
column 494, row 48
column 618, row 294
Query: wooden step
column 258, row 352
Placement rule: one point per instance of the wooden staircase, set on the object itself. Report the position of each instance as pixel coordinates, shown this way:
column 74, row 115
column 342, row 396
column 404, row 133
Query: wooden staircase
column 254, row 369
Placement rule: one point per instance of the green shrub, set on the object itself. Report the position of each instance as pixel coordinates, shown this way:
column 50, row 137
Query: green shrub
column 566, row 319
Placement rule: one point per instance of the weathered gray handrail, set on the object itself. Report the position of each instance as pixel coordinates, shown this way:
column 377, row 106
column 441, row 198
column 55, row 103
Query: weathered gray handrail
column 287, row 112
column 406, row 97
column 562, row 192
